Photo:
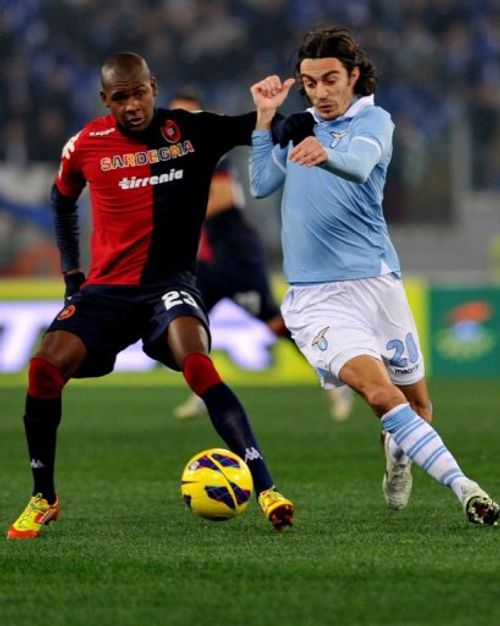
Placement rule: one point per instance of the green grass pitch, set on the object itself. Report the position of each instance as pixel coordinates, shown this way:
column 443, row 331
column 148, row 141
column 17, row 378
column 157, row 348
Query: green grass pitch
column 126, row 550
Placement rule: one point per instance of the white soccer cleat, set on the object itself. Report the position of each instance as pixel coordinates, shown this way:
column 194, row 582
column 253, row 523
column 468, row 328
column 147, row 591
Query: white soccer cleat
column 192, row 407
column 341, row 400
column 479, row 508
column 397, row 481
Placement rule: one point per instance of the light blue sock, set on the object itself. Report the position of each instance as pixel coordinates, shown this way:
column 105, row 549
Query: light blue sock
column 418, row 439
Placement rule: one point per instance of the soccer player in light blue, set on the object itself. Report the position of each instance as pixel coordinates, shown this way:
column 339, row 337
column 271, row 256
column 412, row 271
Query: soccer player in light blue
column 346, row 307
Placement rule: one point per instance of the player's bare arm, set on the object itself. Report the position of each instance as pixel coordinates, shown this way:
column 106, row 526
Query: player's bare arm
column 268, row 95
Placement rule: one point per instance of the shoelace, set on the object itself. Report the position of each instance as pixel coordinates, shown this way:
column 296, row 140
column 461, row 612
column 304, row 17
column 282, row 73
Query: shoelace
column 32, row 509
column 398, row 474
column 271, row 497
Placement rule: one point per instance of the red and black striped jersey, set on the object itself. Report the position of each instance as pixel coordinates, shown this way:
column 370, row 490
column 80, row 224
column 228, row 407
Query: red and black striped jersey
column 148, row 190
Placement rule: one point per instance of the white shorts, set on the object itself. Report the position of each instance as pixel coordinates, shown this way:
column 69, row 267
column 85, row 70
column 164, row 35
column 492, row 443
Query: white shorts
column 333, row 322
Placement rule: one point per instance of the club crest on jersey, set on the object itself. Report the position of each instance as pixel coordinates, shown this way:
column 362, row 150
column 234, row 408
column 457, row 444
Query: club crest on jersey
column 337, row 137
column 67, row 312
column 171, row 131
column 320, row 340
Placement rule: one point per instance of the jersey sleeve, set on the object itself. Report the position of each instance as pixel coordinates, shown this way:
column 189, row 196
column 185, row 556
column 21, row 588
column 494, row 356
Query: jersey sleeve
column 375, row 126
column 267, row 166
column 229, row 131
column 66, row 229
column 69, row 180
column 370, row 143
column 68, row 186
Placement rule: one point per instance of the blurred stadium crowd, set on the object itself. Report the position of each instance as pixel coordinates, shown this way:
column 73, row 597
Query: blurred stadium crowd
column 438, row 60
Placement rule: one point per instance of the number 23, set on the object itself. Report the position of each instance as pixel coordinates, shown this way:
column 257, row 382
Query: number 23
column 174, row 298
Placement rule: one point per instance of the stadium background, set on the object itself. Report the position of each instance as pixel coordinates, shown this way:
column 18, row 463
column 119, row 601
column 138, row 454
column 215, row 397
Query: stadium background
column 439, row 68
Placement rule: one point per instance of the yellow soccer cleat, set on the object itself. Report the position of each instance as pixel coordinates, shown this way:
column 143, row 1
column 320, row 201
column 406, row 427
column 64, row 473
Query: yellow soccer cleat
column 277, row 508
column 38, row 513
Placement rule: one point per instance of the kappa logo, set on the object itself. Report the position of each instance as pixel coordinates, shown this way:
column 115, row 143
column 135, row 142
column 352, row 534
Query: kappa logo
column 36, row 464
column 67, row 312
column 101, row 133
column 320, row 340
column 252, row 454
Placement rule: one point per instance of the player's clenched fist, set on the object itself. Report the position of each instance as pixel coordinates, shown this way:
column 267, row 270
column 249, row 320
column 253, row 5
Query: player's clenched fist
column 268, row 95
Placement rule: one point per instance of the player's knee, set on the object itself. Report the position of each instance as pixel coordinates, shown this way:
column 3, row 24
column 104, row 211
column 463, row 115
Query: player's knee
column 423, row 408
column 383, row 398
column 45, row 379
column 200, row 373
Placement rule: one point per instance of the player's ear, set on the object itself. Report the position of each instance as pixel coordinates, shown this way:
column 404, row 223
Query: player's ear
column 104, row 98
column 355, row 74
column 154, row 86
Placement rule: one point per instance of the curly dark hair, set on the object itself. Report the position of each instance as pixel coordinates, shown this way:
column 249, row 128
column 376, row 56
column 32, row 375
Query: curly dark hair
column 339, row 43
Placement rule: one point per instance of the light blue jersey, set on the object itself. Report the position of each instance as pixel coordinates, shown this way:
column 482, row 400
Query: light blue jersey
column 333, row 227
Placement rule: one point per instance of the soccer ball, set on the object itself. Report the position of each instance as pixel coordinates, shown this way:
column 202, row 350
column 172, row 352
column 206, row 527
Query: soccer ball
column 216, row 484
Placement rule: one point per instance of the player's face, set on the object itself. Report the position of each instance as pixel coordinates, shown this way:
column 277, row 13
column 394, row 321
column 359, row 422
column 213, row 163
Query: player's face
column 131, row 100
column 328, row 86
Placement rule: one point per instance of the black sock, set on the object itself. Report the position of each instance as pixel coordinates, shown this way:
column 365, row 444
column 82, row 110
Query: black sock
column 41, row 420
column 231, row 422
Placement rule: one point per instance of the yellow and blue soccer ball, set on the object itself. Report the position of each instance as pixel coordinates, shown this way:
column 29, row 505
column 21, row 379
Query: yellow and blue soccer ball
column 216, row 484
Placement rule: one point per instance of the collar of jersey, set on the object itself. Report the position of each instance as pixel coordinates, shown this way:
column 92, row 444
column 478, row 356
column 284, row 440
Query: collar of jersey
column 355, row 107
column 148, row 133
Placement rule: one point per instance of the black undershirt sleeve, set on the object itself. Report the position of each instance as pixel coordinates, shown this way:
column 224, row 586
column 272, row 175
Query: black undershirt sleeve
column 66, row 229
column 295, row 128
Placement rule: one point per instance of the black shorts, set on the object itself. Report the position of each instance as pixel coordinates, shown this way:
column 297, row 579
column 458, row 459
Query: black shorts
column 251, row 291
column 238, row 268
column 109, row 318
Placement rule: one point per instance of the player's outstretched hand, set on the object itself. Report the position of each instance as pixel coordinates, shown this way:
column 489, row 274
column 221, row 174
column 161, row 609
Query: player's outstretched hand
column 270, row 93
column 309, row 153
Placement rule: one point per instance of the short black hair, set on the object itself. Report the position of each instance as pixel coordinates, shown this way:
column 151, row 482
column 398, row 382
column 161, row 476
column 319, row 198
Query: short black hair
column 339, row 43
column 123, row 63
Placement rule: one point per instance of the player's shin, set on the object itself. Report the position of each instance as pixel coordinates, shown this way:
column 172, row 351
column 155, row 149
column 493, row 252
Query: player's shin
column 228, row 416
column 421, row 443
column 41, row 420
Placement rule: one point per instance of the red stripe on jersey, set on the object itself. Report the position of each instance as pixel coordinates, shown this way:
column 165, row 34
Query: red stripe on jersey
column 221, row 175
column 205, row 250
column 121, row 235
column 121, row 198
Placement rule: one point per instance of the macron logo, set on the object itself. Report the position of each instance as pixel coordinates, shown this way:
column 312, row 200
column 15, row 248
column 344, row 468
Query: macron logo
column 134, row 182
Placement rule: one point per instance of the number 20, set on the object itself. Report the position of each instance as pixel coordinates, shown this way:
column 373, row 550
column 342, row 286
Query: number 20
column 174, row 298
column 399, row 347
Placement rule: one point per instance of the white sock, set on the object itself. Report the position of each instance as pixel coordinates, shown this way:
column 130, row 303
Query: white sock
column 418, row 439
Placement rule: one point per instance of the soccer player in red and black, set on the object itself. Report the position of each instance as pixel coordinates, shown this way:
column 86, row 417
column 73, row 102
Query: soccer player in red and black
column 149, row 171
